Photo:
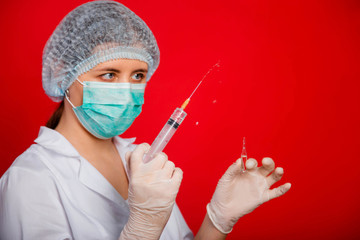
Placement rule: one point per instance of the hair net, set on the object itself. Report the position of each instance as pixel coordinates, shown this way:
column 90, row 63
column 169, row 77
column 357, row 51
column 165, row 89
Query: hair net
column 93, row 33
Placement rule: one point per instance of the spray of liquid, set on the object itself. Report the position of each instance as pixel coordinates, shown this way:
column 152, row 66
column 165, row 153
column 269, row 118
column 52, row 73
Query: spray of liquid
column 216, row 65
column 171, row 126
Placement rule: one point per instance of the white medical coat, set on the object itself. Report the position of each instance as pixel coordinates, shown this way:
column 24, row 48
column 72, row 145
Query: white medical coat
column 51, row 192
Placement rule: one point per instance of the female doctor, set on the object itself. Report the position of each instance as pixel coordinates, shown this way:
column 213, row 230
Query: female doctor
column 80, row 180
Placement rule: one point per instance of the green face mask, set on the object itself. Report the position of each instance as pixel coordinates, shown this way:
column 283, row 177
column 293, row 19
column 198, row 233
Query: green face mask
column 109, row 109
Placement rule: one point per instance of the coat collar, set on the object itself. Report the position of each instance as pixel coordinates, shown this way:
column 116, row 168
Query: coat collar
column 54, row 141
column 87, row 173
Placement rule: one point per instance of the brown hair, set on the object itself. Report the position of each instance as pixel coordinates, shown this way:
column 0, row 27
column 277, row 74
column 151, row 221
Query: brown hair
column 55, row 117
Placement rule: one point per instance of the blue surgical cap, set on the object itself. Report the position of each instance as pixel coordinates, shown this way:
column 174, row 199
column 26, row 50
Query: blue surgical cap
column 93, row 33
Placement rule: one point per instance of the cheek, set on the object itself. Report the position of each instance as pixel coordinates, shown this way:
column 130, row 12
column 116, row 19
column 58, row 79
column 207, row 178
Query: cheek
column 76, row 95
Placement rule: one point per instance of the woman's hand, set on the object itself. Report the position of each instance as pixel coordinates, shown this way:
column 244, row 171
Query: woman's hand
column 153, row 187
column 239, row 192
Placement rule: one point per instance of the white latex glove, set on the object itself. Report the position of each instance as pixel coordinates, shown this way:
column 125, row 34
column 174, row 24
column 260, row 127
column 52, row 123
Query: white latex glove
column 153, row 187
column 239, row 192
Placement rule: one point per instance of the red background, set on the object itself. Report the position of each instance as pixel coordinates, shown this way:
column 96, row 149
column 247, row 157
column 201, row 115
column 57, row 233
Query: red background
column 289, row 82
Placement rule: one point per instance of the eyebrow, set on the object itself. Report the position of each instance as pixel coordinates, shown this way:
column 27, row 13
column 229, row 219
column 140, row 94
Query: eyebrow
column 141, row 70
column 117, row 71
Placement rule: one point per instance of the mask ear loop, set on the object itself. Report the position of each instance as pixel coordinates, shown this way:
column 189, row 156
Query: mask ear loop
column 67, row 93
column 67, row 98
column 80, row 82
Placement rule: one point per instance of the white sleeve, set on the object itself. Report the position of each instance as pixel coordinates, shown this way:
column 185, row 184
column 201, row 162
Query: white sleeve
column 30, row 206
column 176, row 227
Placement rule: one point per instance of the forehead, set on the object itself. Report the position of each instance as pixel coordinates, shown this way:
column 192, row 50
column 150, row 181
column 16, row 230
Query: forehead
column 122, row 64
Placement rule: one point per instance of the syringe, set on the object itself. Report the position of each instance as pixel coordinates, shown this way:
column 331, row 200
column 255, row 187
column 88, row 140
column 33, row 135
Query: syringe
column 171, row 126
column 166, row 133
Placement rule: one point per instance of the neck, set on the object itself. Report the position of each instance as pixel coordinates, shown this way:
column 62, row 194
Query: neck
column 83, row 141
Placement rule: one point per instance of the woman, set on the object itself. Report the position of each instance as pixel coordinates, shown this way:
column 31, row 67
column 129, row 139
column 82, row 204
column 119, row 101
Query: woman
column 80, row 180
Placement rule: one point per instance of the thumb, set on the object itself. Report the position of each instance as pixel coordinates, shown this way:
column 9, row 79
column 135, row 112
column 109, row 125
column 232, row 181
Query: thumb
column 135, row 158
column 235, row 169
column 127, row 160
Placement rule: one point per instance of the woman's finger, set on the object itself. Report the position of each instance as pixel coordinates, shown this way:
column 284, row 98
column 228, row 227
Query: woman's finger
column 136, row 157
column 168, row 169
column 251, row 164
column 267, row 167
column 158, row 161
column 279, row 191
column 275, row 176
column 127, row 159
column 233, row 170
column 177, row 176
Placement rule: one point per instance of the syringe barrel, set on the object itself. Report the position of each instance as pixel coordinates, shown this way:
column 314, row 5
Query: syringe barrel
column 165, row 134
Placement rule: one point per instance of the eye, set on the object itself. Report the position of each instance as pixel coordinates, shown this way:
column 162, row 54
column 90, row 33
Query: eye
column 138, row 76
column 108, row 76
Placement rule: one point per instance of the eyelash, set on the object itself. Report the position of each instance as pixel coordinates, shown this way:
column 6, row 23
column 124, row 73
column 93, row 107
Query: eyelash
column 142, row 76
column 106, row 76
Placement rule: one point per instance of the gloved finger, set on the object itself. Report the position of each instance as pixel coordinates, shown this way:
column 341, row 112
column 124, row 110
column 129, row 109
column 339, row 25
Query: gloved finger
column 168, row 169
column 275, row 176
column 233, row 170
column 242, row 164
column 127, row 160
column 136, row 158
column 177, row 176
column 158, row 161
column 268, row 165
column 251, row 164
column 279, row 191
